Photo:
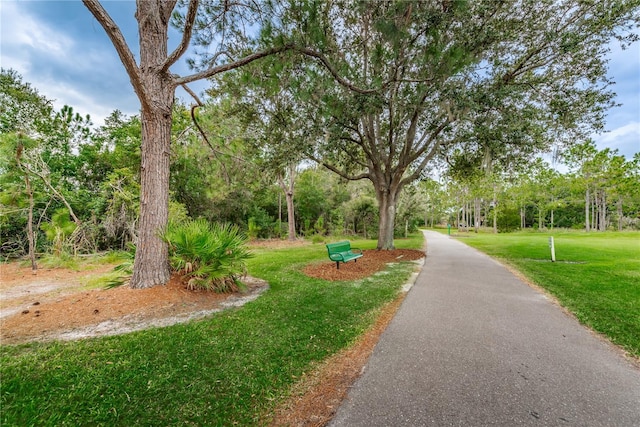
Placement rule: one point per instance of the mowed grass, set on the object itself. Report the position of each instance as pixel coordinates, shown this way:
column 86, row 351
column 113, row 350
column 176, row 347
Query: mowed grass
column 596, row 275
column 230, row 369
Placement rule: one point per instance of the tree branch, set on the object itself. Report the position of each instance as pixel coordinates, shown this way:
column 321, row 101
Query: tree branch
column 432, row 136
column 127, row 58
column 186, row 35
column 210, row 72
column 409, row 179
column 193, row 94
column 319, row 56
column 339, row 172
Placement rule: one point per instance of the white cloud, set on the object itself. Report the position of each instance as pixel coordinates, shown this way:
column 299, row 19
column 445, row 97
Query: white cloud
column 82, row 71
column 63, row 93
column 21, row 30
column 625, row 138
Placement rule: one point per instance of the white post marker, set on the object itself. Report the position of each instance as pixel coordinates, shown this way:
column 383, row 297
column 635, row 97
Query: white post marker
column 553, row 249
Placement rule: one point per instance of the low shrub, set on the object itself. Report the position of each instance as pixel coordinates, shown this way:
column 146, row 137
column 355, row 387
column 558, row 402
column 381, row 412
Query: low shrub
column 212, row 256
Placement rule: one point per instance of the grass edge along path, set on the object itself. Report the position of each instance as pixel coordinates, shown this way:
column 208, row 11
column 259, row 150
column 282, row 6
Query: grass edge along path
column 596, row 276
column 230, row 369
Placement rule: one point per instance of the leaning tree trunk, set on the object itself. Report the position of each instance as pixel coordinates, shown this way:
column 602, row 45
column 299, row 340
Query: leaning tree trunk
column 30, row 233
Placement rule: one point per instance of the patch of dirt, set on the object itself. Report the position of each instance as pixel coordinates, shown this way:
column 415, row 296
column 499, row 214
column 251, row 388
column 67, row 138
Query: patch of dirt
column 51, row 304
column 48, row 307
column 277, row 243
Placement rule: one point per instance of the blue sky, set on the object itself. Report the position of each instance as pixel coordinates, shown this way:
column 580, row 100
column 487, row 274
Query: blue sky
column 60, row 49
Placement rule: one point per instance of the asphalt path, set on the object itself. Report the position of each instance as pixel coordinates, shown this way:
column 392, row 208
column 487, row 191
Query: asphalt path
column 473, row 345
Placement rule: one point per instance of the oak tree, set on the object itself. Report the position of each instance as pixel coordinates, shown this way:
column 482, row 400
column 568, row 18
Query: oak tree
column 531, row 71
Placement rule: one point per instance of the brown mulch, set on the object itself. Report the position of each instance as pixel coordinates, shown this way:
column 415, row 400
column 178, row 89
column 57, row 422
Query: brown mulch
column 41, row 317
column 372, row 261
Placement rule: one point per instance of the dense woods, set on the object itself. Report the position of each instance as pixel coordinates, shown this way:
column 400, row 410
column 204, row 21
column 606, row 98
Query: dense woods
column 328, row 118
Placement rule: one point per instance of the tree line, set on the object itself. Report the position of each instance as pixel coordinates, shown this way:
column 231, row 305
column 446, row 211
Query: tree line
column 70, row 187
column 375, row 92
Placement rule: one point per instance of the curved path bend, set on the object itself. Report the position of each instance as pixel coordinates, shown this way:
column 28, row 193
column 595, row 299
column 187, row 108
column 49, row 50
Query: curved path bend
column 473, row 345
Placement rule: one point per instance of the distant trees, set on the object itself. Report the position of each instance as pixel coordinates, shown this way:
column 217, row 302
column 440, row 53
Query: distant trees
column 600, row 192
column 37, row 146
column 609, row 183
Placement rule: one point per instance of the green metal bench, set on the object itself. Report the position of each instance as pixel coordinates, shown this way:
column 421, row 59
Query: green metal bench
column 343, row 252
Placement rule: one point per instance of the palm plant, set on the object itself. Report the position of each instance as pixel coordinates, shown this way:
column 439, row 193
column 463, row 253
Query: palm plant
column 213, row 256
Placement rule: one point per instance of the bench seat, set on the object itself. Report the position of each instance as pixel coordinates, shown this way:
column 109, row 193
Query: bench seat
column 343, row 252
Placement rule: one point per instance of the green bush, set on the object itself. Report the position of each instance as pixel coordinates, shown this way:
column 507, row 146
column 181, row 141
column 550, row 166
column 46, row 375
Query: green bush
column 317, row 238
column 253, row 229
column 59, row 230
column 212, row 256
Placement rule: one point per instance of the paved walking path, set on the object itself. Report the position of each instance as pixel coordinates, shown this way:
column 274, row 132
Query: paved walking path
column 472, row 345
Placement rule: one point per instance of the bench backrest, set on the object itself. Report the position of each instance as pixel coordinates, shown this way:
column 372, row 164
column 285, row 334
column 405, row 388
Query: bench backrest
column 337, row 247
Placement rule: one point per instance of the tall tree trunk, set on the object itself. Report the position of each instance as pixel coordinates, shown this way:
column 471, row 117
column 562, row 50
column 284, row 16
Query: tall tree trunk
column 288, row 188
column 602, row 208
column 476, row 214
column 279, row 214
column 387, row 205
column 540, row 227
column 151, row 263
column 619, row 209
column 587, row 203
column 291, row 216
column 594, row 224
column 495, row 213
column 467, row 215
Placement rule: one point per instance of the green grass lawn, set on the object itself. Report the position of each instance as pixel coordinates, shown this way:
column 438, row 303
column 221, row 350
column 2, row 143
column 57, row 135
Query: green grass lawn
column 596, row 275
column 229, row 369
